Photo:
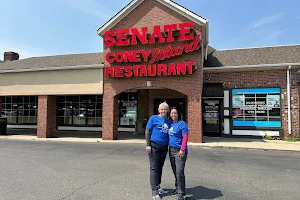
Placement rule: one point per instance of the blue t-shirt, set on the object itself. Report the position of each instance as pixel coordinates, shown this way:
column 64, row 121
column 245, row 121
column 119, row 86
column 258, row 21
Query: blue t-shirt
column 176, row 131
column 159, row 128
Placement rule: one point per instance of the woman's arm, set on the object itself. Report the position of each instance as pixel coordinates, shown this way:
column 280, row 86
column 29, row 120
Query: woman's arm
column 185, row 138
column 147, row 137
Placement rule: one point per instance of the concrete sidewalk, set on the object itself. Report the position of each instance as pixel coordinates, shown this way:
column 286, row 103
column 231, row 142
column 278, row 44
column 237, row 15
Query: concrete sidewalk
column 240, row 143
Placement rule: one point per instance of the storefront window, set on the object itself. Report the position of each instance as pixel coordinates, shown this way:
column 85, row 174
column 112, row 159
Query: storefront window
column 20, row 110
column 127, row 109
column 256, row 107
column 80, row 110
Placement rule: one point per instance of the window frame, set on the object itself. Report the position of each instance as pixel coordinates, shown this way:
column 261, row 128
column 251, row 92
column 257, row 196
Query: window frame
column 256, row 125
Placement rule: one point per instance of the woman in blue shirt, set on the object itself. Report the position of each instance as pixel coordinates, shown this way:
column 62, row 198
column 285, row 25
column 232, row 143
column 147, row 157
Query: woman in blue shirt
column 157, row 139
column 178, row 138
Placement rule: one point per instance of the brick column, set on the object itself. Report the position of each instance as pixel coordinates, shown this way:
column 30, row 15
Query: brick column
column 194, row 120
column 143, row 108
column 110, row 118
column 46, row 116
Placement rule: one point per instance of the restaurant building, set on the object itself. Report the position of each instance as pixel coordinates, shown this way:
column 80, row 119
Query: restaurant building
column 155, row 51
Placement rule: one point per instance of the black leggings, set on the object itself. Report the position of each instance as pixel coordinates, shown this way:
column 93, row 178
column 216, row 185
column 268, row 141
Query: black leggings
column 157, row 158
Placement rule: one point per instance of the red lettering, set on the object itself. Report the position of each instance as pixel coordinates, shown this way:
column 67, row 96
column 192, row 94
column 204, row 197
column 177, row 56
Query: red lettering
column 156, row 33
column 128, row 71
column 122, row 37
column 151, row 70
column 146, row 54
column 155, row 55
column 119, row 57
column 184, row 31
column 142, row 38
column 181, row 68
column 108, row 39
column 195, row 45
column 172, row 69
column 119, row 71
column 143, row 70
column 109, row 71
column 190, row 67
column 170, row 29
column 161, row 68
column 136, row 70
column 127, row 56
column 109, row 57
column 136, row 56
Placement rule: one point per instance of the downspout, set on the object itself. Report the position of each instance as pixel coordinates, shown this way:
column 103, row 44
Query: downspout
column 289, row 99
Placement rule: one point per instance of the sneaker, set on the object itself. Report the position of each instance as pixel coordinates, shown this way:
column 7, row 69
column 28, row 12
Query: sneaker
column 160, row 190
column 174, row 192
column 181, row 197
column 156, row 197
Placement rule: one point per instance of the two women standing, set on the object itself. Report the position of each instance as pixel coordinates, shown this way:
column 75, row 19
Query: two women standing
column 163, row 135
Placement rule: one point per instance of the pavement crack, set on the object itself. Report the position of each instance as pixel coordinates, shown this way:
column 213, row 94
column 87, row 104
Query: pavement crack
column 91, row 184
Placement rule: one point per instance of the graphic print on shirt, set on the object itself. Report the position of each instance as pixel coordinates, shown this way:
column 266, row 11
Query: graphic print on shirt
column 164, row 128
column 171, row 131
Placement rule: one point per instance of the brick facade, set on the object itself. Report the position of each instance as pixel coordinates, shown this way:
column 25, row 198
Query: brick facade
column 151, row 13
column 46, row 121
column 264, row 79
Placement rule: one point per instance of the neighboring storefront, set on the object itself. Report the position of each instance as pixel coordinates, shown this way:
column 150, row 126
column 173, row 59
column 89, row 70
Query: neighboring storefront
column 155, row 51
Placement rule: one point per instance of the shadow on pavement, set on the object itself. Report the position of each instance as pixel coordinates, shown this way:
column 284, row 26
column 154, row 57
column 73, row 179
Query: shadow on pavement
column 199, row 192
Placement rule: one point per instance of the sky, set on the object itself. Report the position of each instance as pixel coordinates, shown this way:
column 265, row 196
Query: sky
column 41, row 28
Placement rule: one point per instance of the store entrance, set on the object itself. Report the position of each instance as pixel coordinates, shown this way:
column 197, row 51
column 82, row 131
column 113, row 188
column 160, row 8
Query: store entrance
column 180, row 104
column 211, row 117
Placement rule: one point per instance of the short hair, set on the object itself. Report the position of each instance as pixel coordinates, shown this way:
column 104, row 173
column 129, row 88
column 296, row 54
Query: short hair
column 164, row 104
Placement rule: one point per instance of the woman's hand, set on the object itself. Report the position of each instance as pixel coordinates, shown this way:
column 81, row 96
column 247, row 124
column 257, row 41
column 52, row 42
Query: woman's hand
column 181, row 154
column 148, row 149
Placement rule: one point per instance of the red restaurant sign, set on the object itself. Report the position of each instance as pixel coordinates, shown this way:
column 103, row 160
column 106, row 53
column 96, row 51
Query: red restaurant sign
column 153, row 57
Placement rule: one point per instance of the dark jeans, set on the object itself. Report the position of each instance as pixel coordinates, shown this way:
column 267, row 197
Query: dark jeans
column 157, row 158
column 178, row 165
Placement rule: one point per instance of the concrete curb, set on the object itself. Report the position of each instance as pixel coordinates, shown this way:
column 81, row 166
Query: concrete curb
column 248, row 145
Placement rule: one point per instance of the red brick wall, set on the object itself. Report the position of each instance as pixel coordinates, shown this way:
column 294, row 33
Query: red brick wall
column 46, row 116
column 295, row 101
column 151, row 13
column 263, row 79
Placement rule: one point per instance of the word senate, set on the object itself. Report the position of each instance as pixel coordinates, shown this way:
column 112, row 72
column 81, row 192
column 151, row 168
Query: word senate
column 152, row 57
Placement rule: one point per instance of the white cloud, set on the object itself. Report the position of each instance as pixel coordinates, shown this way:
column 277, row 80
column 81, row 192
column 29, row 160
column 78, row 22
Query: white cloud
column 23, row 50
column 265, row 20
column 92, row 7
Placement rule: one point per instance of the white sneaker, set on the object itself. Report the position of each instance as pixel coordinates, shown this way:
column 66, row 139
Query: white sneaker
column 160, row 190
column 156, row 197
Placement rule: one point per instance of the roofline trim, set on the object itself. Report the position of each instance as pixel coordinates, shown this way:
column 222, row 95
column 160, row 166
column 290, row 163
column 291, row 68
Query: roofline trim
column 170, row 4
column 185, row 12
column 259, row 47
column 96, row 66
column 119, row 16
column 261, row 66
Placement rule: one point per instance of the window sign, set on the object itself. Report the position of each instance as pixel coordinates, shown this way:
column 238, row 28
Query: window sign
column 256, row 107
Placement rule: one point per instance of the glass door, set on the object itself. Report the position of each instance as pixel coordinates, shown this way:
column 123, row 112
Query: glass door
column 211, row 117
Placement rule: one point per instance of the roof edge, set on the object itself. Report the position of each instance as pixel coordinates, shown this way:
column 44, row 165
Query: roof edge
column 275, row 46
column 169, row 3
column 254, row 67
column 96, row 66
column 119, row 16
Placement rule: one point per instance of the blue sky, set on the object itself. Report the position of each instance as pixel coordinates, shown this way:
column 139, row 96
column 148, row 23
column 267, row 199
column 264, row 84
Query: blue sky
column 40, row 28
